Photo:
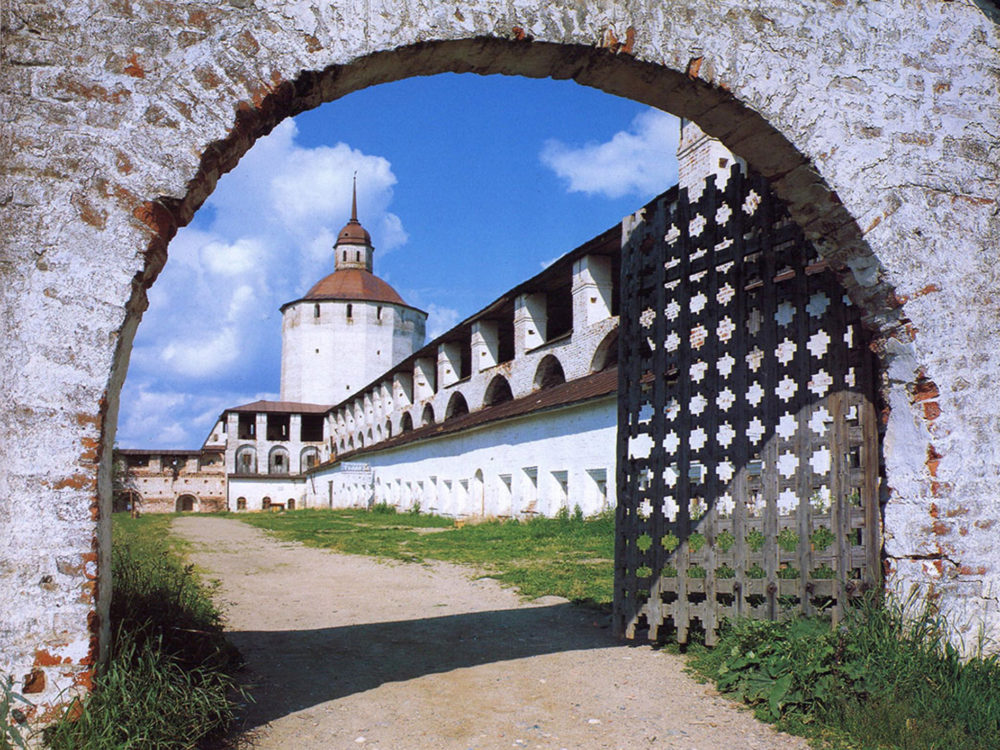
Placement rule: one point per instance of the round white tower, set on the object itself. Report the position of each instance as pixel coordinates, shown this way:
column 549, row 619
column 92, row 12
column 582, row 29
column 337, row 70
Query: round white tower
column 348, row 329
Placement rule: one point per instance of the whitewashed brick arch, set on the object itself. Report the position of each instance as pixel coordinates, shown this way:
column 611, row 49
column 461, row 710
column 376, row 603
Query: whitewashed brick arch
column 876, row 122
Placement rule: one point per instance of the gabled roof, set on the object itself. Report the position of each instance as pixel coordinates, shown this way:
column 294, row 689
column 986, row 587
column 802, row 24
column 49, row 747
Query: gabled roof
column 281, row 407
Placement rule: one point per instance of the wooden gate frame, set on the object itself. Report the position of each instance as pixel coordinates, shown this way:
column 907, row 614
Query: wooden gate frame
column 747, row 435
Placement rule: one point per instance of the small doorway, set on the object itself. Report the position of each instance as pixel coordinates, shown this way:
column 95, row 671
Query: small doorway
column 186, row 503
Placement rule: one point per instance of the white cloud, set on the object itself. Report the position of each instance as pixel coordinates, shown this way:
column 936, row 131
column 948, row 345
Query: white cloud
column 639, row 161
column 264, row 238
column 204, row 357
column 439, row 320
column 241, row 257
column 164, row 418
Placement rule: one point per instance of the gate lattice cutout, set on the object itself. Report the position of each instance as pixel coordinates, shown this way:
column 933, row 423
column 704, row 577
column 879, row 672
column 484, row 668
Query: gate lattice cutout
column 747, row 439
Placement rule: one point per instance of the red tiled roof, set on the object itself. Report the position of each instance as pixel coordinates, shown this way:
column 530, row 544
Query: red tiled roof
column 575, row 391
column 354, row 283
column 282, row 406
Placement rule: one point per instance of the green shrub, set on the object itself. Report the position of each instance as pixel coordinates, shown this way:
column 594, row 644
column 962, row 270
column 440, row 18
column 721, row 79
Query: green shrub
column 887, row 677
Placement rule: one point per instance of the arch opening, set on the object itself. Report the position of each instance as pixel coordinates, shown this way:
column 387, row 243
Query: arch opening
column 606, row 354
column 549, row 373
column 457, row 406
column 498, row 391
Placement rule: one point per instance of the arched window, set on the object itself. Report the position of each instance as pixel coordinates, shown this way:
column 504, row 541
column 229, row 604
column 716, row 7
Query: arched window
column 265, row 504
column 246, row 460
column 549, row 373
column 457, row 406
column 406, row 423
column 241, row 503
column 497, row 391
column 428, row 416
column 309, row 458
column 388, row 429
column 606, row 354
column 290, row 504
column 277, row 461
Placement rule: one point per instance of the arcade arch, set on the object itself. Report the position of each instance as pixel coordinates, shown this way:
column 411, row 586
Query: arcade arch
column 549, row 373
column 457, row 406
column 498, row 391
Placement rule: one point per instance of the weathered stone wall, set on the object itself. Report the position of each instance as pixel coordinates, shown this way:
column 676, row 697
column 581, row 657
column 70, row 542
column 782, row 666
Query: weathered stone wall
column 877, row 121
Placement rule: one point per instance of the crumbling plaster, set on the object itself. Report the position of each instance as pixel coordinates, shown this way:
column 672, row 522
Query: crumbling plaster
column 877, row 121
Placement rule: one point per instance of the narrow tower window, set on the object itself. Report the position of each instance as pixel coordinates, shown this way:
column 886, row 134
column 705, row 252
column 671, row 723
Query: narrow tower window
column 378, row 312
column 316, row 311
column 350, row 310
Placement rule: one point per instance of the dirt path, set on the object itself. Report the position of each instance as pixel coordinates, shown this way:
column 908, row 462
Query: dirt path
column 347, row 652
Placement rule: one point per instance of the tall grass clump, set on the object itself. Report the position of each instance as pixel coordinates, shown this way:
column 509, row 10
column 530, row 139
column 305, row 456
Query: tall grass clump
column 887, row 677
column 12, row 717
column 168, row 682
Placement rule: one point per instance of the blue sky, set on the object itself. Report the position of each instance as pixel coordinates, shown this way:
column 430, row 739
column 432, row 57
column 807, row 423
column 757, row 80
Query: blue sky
column 467, row 184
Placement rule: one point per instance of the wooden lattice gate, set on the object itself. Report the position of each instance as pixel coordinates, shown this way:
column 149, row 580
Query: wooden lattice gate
column 748, row 448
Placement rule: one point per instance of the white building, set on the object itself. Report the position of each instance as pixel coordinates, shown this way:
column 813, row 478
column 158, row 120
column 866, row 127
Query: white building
column 512, row 412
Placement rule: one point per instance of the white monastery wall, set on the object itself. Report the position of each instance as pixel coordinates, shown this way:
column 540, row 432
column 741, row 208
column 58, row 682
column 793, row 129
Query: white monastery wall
column 266, row 492
column 535, row 464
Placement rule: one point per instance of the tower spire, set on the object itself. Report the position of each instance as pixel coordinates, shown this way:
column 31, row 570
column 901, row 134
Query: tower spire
column 354, row 245
column 354, row 199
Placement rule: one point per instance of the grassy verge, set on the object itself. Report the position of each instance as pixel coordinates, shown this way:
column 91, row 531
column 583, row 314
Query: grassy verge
column 569, row 557
column 169, row 679
column 887, row 678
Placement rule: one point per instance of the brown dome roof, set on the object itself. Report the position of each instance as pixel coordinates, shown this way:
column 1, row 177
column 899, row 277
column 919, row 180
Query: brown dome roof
column 354, row 234
column 354, row 283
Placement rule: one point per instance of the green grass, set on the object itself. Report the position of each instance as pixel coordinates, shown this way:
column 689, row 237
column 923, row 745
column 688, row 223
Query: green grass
column 887, row 678
column 569, row 557
column 169, row 679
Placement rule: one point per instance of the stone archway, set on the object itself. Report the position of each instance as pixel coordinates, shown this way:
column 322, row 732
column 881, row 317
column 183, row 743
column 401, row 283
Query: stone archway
column 883, row 151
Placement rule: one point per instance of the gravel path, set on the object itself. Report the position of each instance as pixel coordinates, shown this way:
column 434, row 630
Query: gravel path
column 348, row 652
